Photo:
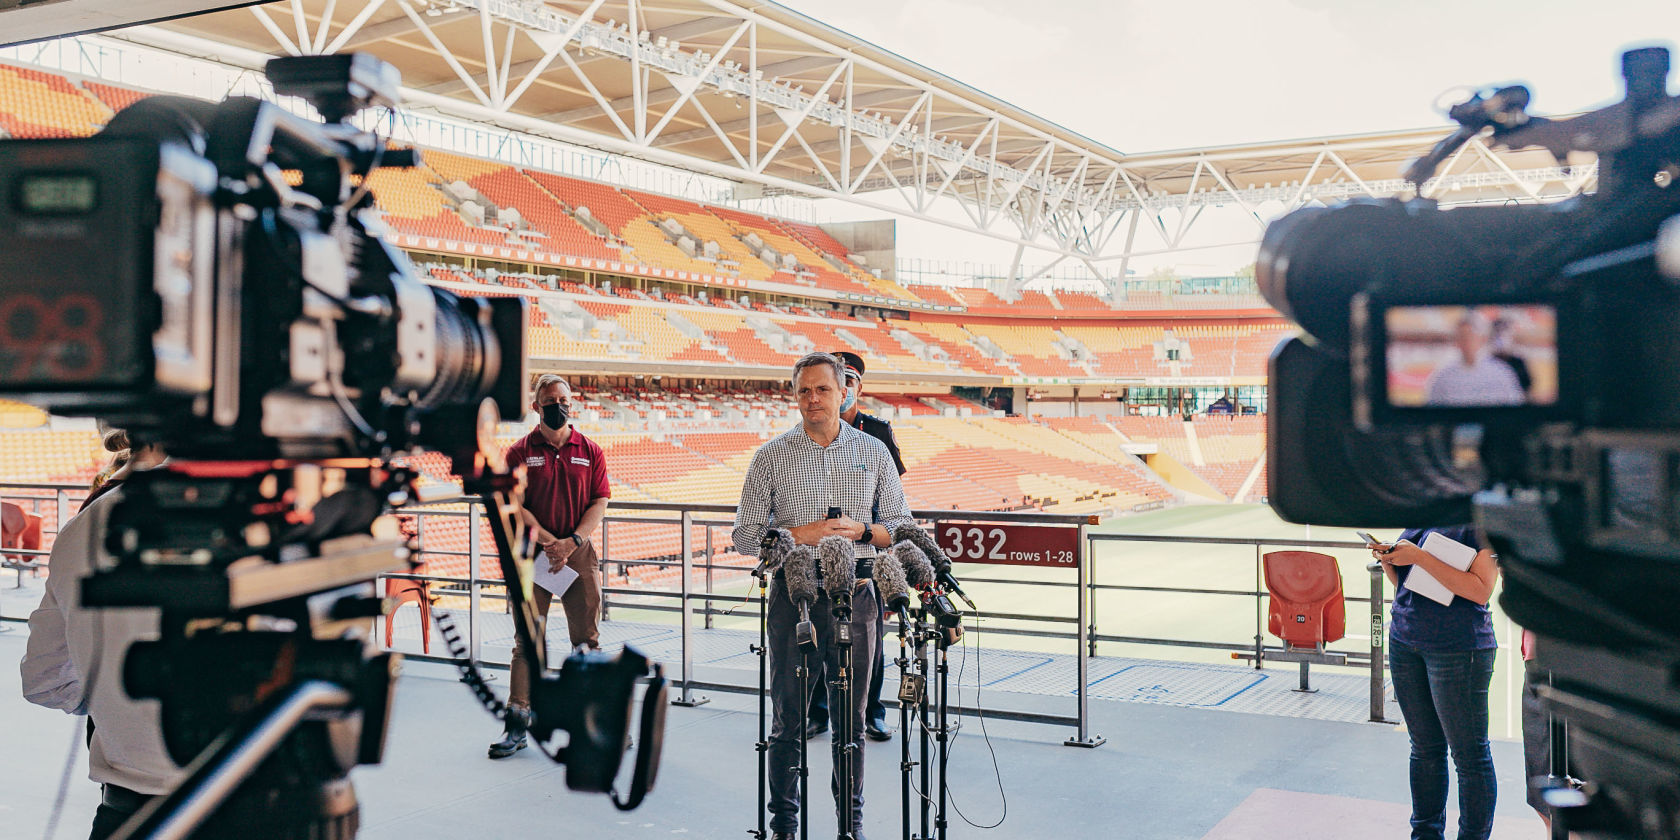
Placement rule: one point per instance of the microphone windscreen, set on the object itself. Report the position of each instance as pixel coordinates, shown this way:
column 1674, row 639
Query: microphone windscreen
column 781, row 543
column 918, row 572
column 800, row 572
column 839, row 565
column 889, row 579
column 921, row 539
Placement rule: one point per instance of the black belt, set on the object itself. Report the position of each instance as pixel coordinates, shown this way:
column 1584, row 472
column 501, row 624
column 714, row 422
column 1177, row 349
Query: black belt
column 119, row 798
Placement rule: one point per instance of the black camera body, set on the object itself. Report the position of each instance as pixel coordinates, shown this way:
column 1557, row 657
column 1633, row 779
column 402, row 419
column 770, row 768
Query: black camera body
column 1519, row 367
column 211, row 278
column 167, row 276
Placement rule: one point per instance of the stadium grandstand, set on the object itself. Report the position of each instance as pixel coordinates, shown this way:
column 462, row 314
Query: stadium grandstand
column 677, row 314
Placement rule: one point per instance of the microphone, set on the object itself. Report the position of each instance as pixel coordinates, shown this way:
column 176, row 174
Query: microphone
column 839, row 569
column 800, row 572
column 918, row 572
column 772, row 552
column 891, row 584
column 912, row 533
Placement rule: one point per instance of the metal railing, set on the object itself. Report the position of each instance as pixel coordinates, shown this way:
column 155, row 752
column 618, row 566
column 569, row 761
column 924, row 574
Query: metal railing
column 691, row 559
column 1259, row 593
column 704, row 559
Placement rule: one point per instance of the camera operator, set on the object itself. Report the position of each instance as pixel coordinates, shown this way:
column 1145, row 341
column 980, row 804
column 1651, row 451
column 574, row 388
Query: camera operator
column 74, row 660
column 793, row 481
column 566, row 496
column 882, row 431
column 1441, row 659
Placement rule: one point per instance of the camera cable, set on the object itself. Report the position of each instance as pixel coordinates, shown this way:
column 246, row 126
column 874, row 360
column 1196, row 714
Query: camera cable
column 986, row 735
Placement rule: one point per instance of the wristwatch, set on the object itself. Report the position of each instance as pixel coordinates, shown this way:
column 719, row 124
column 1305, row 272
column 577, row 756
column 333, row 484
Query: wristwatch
column 868, row 535
column 577, row 541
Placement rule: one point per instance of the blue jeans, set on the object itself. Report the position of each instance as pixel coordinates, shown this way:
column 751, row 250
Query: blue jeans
column 1444, row 698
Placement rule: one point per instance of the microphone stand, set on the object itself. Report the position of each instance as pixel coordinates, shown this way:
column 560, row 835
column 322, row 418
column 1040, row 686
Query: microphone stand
column 844, row 725
column 943, row 641
column 763, row 745
column 909, row 692
column 923, row 634
column 804, row 754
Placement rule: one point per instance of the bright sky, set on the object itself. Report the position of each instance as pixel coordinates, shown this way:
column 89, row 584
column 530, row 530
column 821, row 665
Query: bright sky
column 1148, row 75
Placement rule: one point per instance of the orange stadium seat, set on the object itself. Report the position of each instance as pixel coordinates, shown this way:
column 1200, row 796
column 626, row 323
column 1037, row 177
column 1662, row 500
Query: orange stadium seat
column 115, row 98
column 1307, row 610
column 37, row 103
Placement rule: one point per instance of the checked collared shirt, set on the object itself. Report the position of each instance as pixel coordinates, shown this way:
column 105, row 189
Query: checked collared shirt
column 793, row 482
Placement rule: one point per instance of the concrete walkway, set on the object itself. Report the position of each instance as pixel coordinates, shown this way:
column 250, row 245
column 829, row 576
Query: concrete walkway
column 1167, row 772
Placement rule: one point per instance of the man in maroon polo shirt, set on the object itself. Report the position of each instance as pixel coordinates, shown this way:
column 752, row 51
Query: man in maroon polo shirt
column 566, row 494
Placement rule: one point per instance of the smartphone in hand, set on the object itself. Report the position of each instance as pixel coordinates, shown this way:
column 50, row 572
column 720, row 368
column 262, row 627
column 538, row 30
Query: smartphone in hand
column 1369, row 540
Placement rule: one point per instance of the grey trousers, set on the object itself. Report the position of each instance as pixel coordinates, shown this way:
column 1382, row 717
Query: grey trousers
column 788, row 727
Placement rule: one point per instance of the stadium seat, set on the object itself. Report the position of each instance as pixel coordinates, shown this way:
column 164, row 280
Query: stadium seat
column 1307, row 611
column 1306, row 588
column 419, row 591
column 21, row 530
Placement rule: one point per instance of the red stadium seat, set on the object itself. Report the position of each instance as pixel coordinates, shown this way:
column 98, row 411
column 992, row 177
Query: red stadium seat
column 20, row 529
column 418, row 591
column 1307, row 608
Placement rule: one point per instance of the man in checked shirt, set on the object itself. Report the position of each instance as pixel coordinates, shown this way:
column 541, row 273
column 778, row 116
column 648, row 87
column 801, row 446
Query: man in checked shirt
column 793, row 481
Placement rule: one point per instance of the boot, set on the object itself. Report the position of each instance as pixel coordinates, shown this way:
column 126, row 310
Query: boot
column 513, row 736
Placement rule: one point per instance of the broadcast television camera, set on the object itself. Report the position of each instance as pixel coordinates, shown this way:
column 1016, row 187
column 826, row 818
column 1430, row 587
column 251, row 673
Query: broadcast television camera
column 1380, row 417
column 209, row 277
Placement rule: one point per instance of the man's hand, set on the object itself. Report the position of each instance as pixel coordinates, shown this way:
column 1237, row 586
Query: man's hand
column 558, row 552
column 812, row 533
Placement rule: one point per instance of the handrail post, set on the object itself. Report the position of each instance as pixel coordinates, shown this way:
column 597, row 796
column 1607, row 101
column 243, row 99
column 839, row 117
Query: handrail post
column 1090, row 586
column 1377, row 646
column 474, row 569
column 1083, row 736
column 687, row 698
column 1259, row 611
column 606, row 574
column 709, row 562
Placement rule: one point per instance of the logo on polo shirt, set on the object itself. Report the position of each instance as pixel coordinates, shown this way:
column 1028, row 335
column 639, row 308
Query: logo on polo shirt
column 582, row 462
column 535, row 460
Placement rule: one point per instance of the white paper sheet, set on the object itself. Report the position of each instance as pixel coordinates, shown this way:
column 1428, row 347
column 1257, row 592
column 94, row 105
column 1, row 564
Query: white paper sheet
column 555, row 582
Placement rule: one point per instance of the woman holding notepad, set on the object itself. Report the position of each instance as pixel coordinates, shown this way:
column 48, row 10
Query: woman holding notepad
column 1441, row 650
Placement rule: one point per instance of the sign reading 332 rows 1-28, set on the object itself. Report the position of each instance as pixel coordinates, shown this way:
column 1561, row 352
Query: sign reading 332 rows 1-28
column 1053, row 546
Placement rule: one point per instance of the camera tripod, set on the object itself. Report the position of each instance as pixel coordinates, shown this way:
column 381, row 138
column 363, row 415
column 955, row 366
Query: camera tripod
column 270, row 721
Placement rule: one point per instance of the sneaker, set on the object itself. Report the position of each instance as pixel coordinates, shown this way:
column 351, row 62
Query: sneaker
column 513, row 736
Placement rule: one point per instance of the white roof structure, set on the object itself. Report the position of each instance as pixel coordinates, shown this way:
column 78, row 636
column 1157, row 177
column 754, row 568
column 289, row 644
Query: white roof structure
column 761, row 95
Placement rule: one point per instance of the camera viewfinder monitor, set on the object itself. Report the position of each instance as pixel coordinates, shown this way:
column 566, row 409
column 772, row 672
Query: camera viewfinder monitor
column 1460, row 363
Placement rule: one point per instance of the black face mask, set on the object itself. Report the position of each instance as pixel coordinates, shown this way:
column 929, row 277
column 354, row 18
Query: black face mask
column 555, row 416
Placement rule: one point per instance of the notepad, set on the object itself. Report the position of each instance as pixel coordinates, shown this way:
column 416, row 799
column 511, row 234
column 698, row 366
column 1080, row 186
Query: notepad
column 1448, row 551
column 555, row 582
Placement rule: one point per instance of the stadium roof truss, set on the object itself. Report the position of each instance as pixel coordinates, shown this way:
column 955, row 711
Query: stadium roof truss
column 779, row 103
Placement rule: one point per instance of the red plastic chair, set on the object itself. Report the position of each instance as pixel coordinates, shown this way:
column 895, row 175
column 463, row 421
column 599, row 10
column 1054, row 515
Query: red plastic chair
column 418, row 591
column 1307, row 608
column 20, row 529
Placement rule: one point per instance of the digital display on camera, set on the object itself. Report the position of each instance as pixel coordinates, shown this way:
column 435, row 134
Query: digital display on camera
column 57, row 194
column 1471, row 356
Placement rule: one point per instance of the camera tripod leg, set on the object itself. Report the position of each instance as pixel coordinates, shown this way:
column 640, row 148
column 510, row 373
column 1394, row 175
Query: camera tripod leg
column 229, row 760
